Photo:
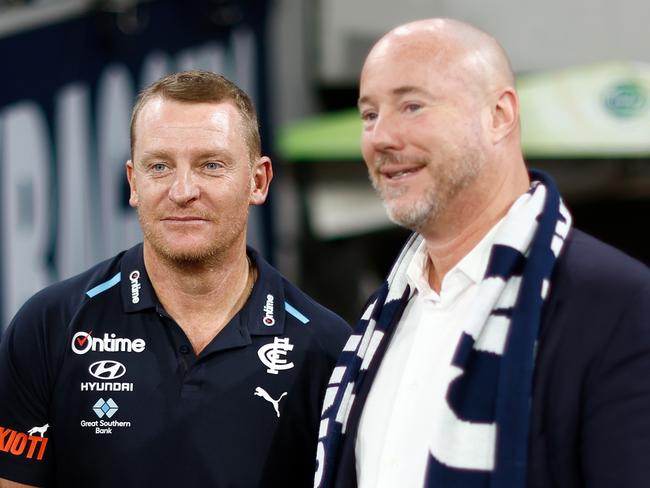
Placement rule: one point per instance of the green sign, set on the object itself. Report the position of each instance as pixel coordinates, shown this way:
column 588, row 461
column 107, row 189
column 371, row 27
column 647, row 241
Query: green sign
column 627, row 99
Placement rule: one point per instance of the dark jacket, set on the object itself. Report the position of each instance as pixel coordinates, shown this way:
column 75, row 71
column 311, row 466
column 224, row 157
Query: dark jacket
column 590, row 419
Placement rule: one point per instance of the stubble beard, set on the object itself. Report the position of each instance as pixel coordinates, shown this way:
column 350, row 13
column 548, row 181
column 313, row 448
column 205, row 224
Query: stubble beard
column 187, row 257
column 450, row 178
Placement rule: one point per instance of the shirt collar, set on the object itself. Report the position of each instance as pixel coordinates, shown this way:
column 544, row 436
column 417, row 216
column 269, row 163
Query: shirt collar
column 137, row 292
column 417, row 270
column 469, row 270
column 262, row 314
column 475, row 262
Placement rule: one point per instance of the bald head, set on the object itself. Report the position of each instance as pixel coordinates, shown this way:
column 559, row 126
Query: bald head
column 460, row 49
column 441, row 121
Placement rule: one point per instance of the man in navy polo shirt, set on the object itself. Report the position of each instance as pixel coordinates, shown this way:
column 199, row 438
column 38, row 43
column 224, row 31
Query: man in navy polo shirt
column 186, row 360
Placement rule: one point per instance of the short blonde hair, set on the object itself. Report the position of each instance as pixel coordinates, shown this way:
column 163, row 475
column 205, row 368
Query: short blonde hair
column 203, row 86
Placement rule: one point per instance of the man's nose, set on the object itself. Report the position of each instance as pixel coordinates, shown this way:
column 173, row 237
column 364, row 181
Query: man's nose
column 385, row 134
column 184, row 188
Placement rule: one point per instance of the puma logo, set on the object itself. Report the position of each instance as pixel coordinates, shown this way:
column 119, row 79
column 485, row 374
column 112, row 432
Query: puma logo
column 261, row 392
column 40, row 430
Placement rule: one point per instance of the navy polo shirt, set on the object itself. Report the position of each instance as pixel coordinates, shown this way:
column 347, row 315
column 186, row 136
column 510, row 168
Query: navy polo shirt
column 100, row 387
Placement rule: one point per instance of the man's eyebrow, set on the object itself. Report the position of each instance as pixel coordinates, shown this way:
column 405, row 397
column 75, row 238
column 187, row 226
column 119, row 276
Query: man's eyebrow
column 362, row 100
column 218, row 153
column 408, row 90
column 154, row 154
column 398, row 92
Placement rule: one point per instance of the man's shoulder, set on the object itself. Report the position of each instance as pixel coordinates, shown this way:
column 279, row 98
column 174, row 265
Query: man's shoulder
column 42, row 321
column 596, row 291
column 317, row 313
column 63, row 298
column 326, row 327
column 301, row 309
column 592, row 265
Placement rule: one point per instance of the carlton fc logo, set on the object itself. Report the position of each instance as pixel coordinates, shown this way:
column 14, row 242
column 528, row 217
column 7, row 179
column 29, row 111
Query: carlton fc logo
column 272, row 355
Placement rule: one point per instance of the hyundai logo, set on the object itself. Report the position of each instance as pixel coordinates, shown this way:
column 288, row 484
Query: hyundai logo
column 107, row 370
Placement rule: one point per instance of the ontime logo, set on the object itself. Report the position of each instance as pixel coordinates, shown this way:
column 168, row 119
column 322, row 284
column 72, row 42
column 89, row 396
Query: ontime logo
column 82, row 342
column 134, row 278
column 268, row 319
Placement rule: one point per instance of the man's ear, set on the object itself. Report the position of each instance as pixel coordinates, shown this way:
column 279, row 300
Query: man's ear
column 130, row 176
column 261, row 176
column 505, row 114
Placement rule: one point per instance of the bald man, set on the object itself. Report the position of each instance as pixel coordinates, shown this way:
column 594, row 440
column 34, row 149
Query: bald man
column 506, row 348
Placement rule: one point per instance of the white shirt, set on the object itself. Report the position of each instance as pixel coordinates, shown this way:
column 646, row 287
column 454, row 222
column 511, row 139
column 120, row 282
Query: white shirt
column 398, row 418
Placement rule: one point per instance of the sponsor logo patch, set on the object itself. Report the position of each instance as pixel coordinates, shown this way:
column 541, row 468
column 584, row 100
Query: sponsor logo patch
column 105, row 409
column 134, row 278
column 261, row 392
column 108, row 408
column 97, row 386
column 272, row 355
column 107, row 370
column 269, row 319
column 29, row 445
column 82, row 342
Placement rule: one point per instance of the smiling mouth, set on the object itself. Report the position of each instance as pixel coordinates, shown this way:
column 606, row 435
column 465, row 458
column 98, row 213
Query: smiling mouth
column 399, row 174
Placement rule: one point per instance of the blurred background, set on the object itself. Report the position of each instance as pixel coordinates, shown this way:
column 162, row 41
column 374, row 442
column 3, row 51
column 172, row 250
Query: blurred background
column 72, row 68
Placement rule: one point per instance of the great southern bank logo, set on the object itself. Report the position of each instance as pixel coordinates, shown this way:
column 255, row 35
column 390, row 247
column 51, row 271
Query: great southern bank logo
column 105, row 409
column 108, row 408
column 134, row 278
column 82, row 342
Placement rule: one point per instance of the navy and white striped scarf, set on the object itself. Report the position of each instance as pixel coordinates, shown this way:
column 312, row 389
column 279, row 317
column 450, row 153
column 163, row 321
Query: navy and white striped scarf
column 482, row 446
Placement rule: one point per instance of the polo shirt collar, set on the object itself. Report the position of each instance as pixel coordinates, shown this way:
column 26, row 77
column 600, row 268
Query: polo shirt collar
column 137, row 292
column 263, row 313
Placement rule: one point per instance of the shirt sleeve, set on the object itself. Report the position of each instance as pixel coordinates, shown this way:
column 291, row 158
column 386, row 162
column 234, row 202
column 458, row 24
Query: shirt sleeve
column 26, row 452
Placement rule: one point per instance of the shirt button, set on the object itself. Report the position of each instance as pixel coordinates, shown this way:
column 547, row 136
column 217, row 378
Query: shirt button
column 184, row 349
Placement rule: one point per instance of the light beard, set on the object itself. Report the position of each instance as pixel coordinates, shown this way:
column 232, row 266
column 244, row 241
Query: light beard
column 449, row 181
column 195, row 256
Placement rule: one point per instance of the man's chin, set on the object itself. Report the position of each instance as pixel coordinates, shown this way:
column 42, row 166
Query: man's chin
column 412, row 216
column 185, row 255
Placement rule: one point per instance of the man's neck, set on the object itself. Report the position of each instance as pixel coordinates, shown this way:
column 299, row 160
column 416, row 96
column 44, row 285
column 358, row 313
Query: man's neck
column 470, row 218
column 201, row 297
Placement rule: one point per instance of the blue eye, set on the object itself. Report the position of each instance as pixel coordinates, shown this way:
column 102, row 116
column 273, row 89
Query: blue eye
column 212, row 165
column 159, row 167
